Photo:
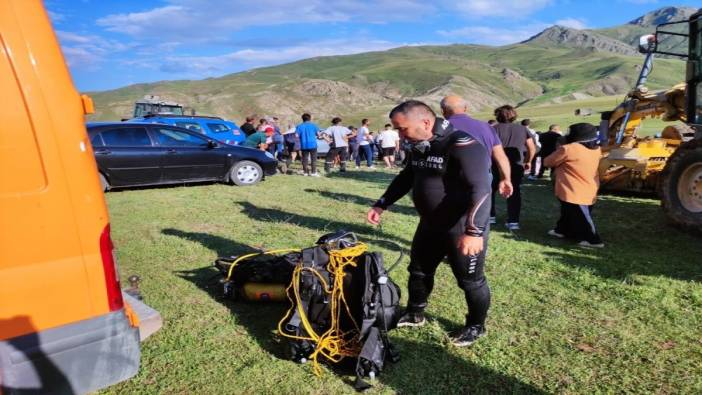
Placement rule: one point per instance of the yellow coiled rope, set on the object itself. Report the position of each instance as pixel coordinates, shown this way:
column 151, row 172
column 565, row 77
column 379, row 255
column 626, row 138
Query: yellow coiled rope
column 334, row 344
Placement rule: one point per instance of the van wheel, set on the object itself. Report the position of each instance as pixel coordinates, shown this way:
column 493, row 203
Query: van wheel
column 103, row 183
column 246, row 173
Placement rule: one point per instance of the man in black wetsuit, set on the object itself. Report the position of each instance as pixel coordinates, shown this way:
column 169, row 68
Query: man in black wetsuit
column 450, row 182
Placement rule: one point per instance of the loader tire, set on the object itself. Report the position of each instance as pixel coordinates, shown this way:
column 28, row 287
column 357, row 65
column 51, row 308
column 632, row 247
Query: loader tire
column 681, row 187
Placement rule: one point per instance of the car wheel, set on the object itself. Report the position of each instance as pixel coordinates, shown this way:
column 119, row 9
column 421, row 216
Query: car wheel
column 103, row 183
column 246, row 173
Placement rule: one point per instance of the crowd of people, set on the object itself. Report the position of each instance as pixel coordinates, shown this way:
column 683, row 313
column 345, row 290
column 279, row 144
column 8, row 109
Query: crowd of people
column 513, row 151
column 358, row 144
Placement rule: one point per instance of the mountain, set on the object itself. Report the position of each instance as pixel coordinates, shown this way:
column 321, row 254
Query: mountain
column 565, row 36
column 557, row 64
column 664, row 15
column 646, row 24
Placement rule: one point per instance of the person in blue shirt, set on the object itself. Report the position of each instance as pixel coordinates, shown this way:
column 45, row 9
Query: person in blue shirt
column 308, row 132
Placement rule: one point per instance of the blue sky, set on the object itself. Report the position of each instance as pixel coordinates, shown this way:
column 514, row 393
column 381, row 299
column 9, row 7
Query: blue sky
column 113, row 43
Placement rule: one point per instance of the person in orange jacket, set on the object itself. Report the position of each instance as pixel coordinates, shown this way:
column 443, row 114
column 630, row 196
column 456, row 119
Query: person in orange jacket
column 575, row 166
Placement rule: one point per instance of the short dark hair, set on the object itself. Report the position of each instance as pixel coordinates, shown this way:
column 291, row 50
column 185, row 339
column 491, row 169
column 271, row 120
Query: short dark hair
column 410, row 106
column 262, row 121
column 364, row 121
column 306, row 117
column 526, row 122
column 250, row 118
column 505, row 114
column 336, row 121
column 387, row 125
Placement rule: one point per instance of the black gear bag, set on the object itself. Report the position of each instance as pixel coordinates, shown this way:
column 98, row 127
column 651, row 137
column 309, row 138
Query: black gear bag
column 349, row 322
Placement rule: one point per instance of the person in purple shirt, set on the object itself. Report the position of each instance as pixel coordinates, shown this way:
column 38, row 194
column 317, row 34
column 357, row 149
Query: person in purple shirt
column 454, row 109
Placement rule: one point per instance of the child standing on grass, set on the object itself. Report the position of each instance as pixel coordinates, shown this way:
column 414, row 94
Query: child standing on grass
column 575, row 166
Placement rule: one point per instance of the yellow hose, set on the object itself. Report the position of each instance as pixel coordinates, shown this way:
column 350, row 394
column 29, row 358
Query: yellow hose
column 334, row 344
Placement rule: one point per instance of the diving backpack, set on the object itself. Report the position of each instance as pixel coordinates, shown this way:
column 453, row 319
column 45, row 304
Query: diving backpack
column 343, row 305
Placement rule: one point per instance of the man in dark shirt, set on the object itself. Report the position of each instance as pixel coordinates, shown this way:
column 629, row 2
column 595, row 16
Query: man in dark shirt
column 248, row 127
column 450, row 182
column 454, row 109
column 549, row 143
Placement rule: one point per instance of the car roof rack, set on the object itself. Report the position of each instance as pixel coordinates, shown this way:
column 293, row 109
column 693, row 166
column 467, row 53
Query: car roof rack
column 182, row 116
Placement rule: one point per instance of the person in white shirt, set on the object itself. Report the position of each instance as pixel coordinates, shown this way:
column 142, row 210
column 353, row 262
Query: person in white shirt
column 364, row 145
column 338, row 137
column 390, row 143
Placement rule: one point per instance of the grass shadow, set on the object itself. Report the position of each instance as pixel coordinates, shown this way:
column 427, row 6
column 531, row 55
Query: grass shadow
column 638, row 239
column 429, row 367
column 259, row 319
column 373, row 177
column 321, row 225
column 361, row 200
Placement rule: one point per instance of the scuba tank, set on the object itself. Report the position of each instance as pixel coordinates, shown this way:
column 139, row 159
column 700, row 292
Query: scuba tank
column 264, row 292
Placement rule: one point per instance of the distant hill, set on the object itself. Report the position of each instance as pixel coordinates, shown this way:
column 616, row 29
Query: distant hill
column 557, row 64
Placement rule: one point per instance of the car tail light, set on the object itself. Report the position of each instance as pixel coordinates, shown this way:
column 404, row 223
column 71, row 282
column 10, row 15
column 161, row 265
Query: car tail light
column 109, row 264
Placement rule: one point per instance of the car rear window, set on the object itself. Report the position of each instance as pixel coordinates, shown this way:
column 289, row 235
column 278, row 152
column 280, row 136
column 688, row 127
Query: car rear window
column 190, row 126
column 96, row 141
column 126, row 137
column 218, row 127
column 171, row 137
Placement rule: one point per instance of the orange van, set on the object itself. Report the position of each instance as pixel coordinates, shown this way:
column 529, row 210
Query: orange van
column 63, row 323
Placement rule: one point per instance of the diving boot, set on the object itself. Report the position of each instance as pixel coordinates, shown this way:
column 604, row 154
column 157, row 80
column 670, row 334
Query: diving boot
column 411, row 319
column 467, row 335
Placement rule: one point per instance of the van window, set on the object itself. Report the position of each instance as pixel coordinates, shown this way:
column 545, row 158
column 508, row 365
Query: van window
column 126, row 137
column 218, row 127
column 21, row 166
column 190, row 126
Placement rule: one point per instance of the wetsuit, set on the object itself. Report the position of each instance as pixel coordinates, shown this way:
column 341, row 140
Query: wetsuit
column 450, row 183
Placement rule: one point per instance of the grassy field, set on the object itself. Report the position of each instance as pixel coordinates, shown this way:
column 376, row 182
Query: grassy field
column 624, row 319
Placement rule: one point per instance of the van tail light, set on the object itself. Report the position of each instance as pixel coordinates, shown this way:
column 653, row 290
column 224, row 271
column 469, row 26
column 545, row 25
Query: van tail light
column 109, row 264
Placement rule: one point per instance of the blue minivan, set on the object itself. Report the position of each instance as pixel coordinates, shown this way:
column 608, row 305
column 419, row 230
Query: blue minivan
column 212, row 127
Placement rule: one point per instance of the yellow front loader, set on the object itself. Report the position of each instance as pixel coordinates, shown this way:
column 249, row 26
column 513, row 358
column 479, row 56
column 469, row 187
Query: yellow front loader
column 670, row 163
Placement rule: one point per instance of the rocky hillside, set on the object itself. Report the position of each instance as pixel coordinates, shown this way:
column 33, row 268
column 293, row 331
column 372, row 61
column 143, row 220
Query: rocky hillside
column 565, row 36
column 556, row 65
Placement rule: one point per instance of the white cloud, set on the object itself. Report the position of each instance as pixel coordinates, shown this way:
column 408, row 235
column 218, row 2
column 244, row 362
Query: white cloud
column 493, row 36
column 203, row 66
column 205, row 20
column 575, row 23
column 503, row 8
column 88, row 51
column 56, row 17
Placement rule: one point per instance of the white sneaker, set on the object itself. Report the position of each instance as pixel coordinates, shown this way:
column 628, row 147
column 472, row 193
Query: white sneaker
column 587, row 244
column 553, row 233
column 314, row 175
column 493, row 220
column 512, row 225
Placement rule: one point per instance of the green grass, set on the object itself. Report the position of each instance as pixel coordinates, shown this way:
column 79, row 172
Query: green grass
column 625, row 319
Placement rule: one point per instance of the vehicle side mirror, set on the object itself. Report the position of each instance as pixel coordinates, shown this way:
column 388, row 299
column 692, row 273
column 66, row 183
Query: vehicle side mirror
column 648, row 43
column 212, row 144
